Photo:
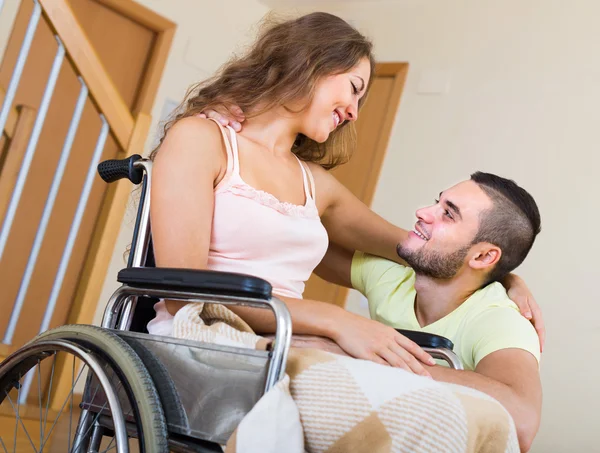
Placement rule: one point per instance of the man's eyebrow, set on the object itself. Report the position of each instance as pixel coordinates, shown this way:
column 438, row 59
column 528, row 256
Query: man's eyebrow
column 452, row 206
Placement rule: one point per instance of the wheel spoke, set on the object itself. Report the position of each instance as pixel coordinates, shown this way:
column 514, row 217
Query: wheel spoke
column 19, row 421
column 3, row 446
column 62, row 407
column 109, row 446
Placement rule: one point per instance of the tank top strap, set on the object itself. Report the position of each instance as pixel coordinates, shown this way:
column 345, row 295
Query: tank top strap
column 312, row 182
column 233, row 163
column 305, row 182
column 234, row 150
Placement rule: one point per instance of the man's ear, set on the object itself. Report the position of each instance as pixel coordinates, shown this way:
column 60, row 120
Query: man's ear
column 485, row 257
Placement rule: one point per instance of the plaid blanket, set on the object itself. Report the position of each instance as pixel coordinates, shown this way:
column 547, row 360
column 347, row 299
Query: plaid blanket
column 331, row 403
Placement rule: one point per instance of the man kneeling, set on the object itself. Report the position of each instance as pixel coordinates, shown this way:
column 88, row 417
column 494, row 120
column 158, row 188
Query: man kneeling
column 474, row 235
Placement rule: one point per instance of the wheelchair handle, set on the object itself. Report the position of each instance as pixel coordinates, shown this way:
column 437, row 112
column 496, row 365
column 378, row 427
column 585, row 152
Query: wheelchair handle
column 114, row 169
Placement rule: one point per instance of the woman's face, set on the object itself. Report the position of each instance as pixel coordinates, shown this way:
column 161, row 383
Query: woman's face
column 335, row 101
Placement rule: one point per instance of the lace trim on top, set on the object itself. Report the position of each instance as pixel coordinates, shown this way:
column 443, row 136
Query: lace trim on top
column 309, row 210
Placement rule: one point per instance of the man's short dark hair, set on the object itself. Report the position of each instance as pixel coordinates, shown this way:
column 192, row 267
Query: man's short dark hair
column 512, row 223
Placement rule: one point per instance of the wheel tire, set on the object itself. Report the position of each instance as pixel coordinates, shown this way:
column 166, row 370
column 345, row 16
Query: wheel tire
column 144, row 398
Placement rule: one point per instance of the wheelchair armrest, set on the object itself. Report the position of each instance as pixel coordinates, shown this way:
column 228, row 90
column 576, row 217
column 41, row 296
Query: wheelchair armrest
column 427, row 340
column 192, row 280
column 187, row 284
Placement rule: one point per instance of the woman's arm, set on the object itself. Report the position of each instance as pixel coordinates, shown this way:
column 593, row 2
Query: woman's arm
column 520, row 294
column 358, row 336
column 352, row 224
column 190, row 161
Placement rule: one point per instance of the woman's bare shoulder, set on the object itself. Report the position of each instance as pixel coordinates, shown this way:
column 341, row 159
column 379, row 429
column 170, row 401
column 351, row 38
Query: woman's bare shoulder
column 193, row 140
column 192, row 132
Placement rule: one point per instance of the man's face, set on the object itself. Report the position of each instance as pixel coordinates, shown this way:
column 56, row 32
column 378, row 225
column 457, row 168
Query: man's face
column 442, row 238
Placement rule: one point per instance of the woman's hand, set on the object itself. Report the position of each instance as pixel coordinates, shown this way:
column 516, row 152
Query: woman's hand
column 520, row 294
column 370, row 340
column 233, row 117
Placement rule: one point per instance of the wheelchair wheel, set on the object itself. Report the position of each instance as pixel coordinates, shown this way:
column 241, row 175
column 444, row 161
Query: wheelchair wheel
column 79, row 389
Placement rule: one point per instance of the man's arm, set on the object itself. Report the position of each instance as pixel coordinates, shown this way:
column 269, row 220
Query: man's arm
column 512, row 377
column 336, row 266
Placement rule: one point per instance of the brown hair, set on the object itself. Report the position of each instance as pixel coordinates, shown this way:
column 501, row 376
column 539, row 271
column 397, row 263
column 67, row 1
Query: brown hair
column 283, row 65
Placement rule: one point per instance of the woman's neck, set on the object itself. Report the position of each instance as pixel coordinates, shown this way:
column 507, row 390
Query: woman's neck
column 275, row 130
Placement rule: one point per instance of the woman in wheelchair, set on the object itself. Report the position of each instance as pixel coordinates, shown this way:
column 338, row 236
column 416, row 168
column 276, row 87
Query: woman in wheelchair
column 261, row 201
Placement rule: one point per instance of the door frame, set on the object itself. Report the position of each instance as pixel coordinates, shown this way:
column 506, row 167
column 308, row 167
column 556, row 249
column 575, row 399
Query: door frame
column 164, row 29
column 399, row 72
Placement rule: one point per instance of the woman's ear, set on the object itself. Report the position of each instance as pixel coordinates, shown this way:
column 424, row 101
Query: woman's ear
column 486, row 257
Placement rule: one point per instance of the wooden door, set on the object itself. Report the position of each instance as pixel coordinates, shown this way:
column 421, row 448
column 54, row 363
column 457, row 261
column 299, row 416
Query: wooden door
column 51, row 202
column 361, row 173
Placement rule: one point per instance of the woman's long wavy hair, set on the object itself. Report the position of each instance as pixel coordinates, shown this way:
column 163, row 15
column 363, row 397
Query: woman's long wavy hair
column 283, row 66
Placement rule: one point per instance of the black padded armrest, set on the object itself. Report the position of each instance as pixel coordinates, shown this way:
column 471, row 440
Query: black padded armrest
column 191, row 280
column 427, row 340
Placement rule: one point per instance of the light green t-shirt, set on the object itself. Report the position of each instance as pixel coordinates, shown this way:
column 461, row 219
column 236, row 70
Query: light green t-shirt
column 486, row 322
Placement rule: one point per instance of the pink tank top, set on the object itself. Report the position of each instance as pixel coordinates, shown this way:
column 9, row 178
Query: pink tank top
column 254, row 233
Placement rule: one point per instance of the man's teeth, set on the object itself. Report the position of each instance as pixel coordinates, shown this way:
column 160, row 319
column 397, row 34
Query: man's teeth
column 420, row 235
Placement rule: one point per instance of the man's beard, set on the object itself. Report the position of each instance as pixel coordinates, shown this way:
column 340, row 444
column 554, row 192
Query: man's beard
column 443, row 266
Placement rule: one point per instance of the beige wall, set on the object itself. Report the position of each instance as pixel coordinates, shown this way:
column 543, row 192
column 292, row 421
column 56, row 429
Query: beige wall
column 523, row 102
column 7, row 16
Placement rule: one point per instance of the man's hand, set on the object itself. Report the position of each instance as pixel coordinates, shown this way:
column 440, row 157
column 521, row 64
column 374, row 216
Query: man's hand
column 233, row 117
column 520, row 294
column 370, row 340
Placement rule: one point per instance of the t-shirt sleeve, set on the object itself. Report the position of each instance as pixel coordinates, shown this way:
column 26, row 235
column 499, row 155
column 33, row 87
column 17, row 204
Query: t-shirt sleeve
column 367, row 271
column 502, row 328
column 378, row 279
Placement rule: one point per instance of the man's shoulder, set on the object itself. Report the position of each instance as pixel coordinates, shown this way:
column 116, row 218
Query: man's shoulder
column 492, row 296
column 494, row 322
column 491, row 304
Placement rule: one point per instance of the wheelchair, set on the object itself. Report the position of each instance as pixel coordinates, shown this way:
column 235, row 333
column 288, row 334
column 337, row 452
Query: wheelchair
column 153, row 393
